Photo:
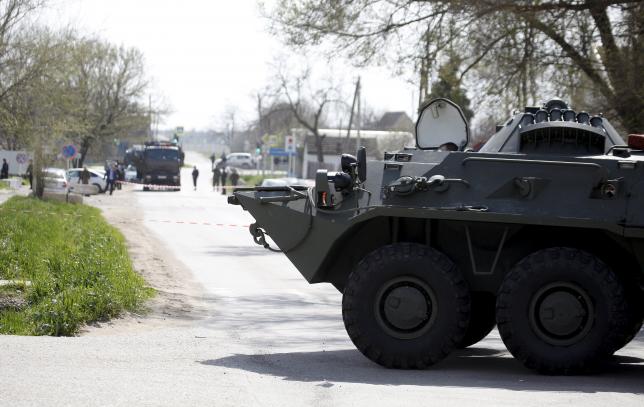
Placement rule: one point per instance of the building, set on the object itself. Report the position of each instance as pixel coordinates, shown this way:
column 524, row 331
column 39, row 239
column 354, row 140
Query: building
column 335, row 143
column 394, row 121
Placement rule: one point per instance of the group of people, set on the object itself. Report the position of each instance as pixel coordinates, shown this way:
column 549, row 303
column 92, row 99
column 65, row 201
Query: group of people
column 221, row 173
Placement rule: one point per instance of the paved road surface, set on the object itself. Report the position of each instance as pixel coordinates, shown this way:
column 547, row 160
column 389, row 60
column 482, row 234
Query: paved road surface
column 267, row 338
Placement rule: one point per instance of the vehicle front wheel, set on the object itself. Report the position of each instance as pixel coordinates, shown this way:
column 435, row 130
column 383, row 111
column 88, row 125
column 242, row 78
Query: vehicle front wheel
column 406, row 306
column 561, row 311
column 98, row 186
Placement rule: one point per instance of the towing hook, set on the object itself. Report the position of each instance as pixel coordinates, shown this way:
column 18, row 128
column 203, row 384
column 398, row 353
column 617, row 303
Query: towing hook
column 257, row 233
column 259, row 236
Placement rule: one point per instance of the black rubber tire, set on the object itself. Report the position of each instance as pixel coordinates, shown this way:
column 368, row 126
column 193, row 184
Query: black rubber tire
column 146, row 188
column 603, row 318
column 100, row 190
column 482, row 319
column 363, row 306
column 635, row 315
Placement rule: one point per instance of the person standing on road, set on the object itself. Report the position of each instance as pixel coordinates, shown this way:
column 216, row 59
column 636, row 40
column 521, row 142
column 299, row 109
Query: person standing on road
column 216, row 176
column 195, row 175
column 30, row 173
column 120, row 175
column 110, row 176
column 234, row 177
column 224, row 174
column 4, row 172
column 84, row 176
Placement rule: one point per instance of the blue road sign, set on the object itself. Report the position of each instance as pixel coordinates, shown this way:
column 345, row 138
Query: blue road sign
column 69, row 151
column 278, row 152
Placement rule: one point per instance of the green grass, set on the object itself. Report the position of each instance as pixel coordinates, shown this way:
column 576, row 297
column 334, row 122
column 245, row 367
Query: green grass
column 4, row 185
column 78, row 266
column 252, row 180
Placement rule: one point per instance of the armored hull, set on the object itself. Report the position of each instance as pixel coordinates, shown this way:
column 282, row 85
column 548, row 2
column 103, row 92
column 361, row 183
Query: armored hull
column 540, row 232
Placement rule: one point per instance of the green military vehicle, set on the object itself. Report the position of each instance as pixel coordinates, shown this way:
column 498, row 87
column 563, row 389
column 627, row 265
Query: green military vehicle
column 540, row 232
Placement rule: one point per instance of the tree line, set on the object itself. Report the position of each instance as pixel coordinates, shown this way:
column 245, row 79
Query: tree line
column 507, row 54
column 61, row 86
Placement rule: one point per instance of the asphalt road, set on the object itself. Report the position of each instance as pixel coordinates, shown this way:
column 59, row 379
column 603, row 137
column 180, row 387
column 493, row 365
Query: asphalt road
column 265, row 337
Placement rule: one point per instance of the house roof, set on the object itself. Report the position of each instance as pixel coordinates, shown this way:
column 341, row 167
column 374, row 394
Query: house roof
column 395, row 121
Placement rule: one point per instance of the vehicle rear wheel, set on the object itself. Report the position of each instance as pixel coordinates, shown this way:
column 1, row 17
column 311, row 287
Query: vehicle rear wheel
column 406, row 306
column 560, row 311
column 146, row 188
column 482, row 319
column 246, row 166
column 100, row 190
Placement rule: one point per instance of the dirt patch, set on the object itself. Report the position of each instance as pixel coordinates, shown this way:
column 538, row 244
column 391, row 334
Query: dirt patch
column 12, row 299
column 179, row 298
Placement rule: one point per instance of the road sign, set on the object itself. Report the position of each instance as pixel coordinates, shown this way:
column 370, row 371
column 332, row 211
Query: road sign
column 289, row 144
column 278, row 152
column 69, row 152
column 22, row 158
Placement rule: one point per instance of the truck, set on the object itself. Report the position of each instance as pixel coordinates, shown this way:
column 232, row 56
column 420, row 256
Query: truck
column 159, row 165
column 540, row 233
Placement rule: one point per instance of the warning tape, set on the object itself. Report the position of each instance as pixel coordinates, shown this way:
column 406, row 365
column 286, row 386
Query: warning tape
column 227, row 225
column 168, row 221
column 150, row 186
column 173, row 187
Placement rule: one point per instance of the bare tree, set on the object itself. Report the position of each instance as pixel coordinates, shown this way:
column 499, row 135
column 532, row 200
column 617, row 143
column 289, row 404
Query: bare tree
column 308, row 104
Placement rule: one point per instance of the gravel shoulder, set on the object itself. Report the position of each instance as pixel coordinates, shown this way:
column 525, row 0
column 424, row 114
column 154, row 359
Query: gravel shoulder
column 178, row 300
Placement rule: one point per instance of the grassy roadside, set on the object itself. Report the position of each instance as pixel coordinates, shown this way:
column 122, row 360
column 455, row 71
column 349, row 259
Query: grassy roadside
column 76, row 264
column 252, row 180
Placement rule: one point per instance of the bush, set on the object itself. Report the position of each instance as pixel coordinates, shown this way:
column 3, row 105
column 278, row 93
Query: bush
column 77, row 264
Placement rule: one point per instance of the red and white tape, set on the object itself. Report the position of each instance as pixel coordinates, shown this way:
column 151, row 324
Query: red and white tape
column 167, row 221
column 173, row 187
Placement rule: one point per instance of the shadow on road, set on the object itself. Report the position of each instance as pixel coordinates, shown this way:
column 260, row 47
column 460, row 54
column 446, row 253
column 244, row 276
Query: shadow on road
column 239, row 251
column 472, row 367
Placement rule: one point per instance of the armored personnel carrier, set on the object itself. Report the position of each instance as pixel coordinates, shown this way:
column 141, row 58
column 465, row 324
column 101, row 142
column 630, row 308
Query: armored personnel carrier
column 540, row 232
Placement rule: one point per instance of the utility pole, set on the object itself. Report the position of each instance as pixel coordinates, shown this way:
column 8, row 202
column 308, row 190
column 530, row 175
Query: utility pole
column 353, row 105
column 359, row 118
column 150, row 117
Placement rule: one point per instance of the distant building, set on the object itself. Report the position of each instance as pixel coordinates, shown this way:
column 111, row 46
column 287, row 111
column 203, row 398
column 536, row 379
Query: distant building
column 395, row 121
column 335, row 143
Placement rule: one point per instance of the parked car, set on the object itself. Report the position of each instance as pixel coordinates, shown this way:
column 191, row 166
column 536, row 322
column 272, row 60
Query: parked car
column 55, row 180
column 97, row 178
column 240, row 160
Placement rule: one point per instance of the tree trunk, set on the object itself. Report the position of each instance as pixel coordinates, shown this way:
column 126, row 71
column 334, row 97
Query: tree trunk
column 85, row 143
column 318, row 146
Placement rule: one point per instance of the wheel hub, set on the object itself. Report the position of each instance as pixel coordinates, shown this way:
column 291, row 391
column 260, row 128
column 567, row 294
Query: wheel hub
column 405, row 308
column 561, row 313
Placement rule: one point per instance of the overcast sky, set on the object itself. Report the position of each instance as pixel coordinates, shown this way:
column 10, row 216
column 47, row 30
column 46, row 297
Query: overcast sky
column 206, row 55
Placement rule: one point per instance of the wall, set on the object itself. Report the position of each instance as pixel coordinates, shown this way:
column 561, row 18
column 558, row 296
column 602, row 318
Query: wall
column 17, row 160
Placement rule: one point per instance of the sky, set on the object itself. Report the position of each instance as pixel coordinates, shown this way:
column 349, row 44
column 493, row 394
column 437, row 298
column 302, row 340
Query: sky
column 205, row 57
